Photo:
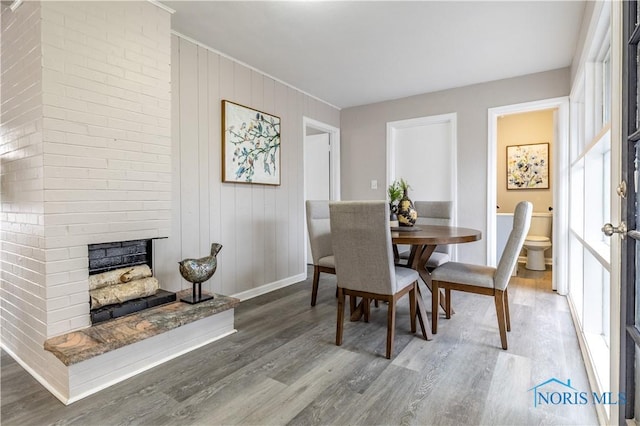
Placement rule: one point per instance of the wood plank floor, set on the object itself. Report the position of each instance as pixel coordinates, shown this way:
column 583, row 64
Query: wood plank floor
column 283, row 367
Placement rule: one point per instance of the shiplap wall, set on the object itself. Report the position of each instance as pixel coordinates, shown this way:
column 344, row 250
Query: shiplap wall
column 260, row 227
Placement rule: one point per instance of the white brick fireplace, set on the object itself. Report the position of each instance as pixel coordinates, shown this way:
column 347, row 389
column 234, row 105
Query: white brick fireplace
column 85, row 158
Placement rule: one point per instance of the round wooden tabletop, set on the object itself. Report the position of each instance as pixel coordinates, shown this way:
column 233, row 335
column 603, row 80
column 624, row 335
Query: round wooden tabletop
column 434, row 235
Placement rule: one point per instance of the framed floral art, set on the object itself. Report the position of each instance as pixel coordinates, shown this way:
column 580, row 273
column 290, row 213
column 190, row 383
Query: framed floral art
column 528, row 166
column 250, row 145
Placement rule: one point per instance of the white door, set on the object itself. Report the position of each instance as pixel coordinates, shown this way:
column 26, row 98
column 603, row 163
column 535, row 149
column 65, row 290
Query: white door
column 317, row 167
column 317, row 173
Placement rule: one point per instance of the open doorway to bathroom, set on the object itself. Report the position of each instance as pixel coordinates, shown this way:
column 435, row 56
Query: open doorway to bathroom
column 524, row 141
column 533, row 125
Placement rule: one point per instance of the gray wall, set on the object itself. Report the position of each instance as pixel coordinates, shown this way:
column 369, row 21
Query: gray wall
column 260, row 227
column 363, row 143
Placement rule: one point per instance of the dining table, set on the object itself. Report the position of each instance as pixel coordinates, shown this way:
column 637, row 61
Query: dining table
column 423, row 240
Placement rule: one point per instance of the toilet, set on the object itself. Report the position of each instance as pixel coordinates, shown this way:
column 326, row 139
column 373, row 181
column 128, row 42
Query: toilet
column 538, row 240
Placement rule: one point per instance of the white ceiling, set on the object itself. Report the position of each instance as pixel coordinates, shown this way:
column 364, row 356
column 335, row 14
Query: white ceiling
column 354, row 53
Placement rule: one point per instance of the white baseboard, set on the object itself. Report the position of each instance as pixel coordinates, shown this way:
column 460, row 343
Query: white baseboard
column 267, row 288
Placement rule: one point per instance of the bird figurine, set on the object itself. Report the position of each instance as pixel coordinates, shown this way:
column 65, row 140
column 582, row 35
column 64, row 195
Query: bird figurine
column 197, row 271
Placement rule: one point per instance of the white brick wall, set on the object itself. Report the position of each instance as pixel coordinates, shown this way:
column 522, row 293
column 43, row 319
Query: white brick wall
column 85, row 157
column 107, row 139
column 23, row 307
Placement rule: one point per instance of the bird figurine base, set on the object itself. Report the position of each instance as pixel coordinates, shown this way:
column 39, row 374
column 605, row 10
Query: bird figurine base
column 196, row 296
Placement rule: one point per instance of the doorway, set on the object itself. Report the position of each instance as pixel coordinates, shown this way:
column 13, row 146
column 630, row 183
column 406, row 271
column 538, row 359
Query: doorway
column 558, row 181
column 321, row 150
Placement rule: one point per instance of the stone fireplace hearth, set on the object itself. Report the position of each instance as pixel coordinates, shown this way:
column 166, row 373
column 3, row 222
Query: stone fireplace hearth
column 107, row 353
column 86, row 344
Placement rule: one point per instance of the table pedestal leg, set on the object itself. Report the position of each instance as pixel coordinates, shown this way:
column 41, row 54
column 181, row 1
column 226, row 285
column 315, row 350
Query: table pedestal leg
column 421, row 312
column 426, row 277
column 418, row 260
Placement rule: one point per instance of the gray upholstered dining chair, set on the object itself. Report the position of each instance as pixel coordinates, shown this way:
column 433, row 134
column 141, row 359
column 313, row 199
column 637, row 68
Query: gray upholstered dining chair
column 320, row 240
column 484, row 279
column 433, row 213
column 364, row 262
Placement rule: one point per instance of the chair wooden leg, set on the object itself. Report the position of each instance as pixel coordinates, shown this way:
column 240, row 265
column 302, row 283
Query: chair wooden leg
column 435, row 305
column 413, row 307
column 391, row 326
column 340, row 317
column 506, row 308
column 502, row 319
column 447, row 296
column 375, row 302
column 366, row 308
column 314, row 289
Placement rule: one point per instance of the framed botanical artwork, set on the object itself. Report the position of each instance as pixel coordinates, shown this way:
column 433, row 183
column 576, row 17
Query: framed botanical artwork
column 528, row 166
column 250, row 145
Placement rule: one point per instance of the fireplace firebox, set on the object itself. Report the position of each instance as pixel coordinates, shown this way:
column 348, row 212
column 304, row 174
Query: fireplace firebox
column 123, row 256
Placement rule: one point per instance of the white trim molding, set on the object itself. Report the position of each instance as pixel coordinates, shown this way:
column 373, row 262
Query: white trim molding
column 267, row 288
column 162, row 6
column 16, row 4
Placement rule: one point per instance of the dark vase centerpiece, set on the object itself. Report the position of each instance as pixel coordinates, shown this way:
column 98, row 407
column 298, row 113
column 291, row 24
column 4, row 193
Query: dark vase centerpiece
column 407, row 214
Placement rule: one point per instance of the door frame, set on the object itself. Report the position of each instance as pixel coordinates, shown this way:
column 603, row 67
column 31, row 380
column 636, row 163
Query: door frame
column 623, row 295
column 334, row 169
column 559, row 183
column 334, row 154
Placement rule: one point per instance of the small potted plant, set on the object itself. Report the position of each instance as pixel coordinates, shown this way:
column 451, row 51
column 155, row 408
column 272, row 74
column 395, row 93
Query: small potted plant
column 395, row 195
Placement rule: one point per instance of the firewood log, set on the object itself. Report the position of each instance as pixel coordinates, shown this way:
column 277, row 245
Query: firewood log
column 119, row 293
column 136, row 273
column 119, row 276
